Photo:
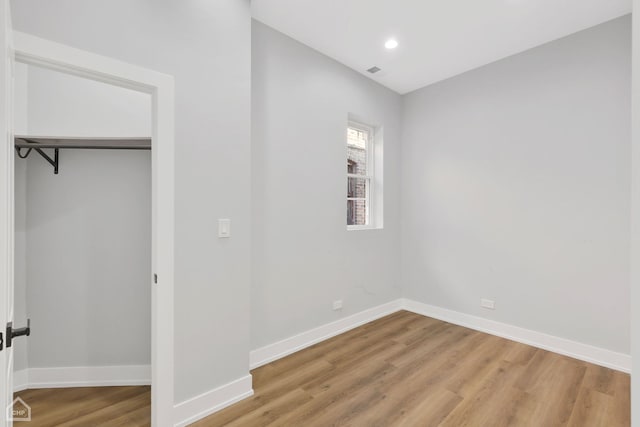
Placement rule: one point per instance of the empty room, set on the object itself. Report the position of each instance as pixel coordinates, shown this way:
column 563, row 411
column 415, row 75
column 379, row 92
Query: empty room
column 319, row 213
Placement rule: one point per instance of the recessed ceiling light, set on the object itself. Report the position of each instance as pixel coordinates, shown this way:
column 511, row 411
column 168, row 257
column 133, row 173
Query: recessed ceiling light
column 391, row 44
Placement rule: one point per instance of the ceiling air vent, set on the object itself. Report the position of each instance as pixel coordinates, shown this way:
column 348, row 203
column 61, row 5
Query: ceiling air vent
column 374, row 70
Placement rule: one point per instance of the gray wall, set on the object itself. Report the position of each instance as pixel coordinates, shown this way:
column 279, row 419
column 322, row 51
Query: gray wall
column 89, row 259
column 61, row 104
column 206, row 46
column 303, row 257
column 516, row 188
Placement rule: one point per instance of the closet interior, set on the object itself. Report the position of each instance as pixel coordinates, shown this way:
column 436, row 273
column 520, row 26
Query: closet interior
column 82, row 236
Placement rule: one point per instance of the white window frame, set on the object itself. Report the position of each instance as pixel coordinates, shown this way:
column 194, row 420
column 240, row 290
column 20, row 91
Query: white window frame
column 370, row 176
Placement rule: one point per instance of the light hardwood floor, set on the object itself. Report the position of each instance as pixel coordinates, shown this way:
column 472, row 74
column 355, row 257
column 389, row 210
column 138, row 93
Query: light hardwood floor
column 88, row 406
column 410, row 370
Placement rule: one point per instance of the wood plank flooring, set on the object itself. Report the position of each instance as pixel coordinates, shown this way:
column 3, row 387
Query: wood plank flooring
column 88, row 406
column 402, row 370
column 409, row 370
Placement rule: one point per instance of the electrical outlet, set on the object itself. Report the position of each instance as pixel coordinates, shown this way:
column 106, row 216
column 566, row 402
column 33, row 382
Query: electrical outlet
column 337, row 305
column 487, row 303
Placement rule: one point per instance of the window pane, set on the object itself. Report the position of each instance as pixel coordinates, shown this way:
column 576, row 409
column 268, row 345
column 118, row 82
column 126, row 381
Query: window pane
column 357, row 187
column 357, row 138
column 357, row 212
column 357, row 145
column 360, row 169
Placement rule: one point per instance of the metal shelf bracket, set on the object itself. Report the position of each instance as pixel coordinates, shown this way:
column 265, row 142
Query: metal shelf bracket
column 54, row 162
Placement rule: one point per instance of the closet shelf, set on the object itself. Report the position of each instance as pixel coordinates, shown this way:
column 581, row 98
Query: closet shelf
column 56, row 143
column 83, row 143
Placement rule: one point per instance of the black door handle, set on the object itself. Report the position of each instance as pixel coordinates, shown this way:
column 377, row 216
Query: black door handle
column 19, row 332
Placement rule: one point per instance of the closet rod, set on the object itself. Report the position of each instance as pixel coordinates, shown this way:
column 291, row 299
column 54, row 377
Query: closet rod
column 56, row 143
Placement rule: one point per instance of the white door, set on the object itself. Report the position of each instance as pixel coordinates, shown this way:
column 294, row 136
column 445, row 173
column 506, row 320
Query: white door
column 6, row 207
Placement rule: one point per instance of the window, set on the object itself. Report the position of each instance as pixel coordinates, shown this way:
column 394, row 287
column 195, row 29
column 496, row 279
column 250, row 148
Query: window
column 360, row 175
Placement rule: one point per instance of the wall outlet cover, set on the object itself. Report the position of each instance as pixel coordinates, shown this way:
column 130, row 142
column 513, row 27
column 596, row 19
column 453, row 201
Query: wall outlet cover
column 487, row 303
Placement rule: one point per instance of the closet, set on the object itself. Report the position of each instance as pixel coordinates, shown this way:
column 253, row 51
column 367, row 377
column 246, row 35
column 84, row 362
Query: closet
column 83, row 234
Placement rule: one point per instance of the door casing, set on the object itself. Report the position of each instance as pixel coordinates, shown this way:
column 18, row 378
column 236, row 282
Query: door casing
column 36, row 51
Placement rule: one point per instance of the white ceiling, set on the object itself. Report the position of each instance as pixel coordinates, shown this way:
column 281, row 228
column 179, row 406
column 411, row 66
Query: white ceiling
column 438, row 38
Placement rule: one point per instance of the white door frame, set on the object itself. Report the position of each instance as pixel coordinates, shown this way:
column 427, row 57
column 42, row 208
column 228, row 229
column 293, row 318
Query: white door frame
column 44, row 53
column 635, row 219
column 6, row 208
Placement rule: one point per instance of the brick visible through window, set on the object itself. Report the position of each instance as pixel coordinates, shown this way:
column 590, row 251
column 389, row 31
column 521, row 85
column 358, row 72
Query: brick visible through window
column 359, row 174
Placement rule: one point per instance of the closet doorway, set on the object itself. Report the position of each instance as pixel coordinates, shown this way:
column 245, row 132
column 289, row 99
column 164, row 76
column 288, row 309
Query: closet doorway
column 95, row 342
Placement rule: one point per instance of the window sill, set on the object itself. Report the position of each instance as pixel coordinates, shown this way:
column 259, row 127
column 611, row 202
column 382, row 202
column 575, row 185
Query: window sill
column 362, row 227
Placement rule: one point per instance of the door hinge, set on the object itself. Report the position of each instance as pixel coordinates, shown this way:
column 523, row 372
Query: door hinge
column 155, row 279
column 1, row 341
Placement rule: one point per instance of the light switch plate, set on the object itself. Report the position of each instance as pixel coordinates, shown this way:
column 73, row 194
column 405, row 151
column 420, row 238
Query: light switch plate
column 224, row 228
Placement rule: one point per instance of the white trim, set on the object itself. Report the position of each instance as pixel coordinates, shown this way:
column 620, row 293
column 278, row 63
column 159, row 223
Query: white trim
column 7, row 229
column 198, row 407
column 370, row 149
column 634, row 282
column 82, row 376
column 44, row 53
column 585, row 352
column 361, row 227
column 283, row 348
column 20, row 380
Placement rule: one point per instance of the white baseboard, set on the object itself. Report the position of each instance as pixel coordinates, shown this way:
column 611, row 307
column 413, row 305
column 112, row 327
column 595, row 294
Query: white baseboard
column 577, row 350
column 283, row 348
column 196, row 408
column 83, row 376
column 20, row 380
column 585, row 352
